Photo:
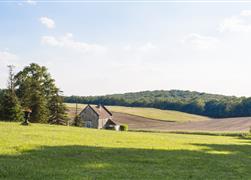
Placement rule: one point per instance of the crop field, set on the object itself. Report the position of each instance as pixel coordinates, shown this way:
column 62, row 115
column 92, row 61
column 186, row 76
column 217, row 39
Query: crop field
column 60, row 152
column 124, row 115
column 241, row 124
column 150, row 113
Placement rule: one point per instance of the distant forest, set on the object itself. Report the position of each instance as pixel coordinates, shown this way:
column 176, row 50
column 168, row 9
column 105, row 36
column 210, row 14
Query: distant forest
column 212, row 105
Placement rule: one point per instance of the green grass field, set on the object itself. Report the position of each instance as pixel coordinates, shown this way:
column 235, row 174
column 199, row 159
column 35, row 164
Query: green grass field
column 152, row 113
column 58, row 152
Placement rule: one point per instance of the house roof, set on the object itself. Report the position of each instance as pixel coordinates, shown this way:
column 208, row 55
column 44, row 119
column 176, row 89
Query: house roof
column 101, row 111
column 111, row 122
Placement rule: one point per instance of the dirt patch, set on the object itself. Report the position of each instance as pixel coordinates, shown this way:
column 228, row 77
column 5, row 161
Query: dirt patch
column 141, row 123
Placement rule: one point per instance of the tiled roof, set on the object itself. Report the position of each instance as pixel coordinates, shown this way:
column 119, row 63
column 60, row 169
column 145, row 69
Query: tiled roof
column 101, row 111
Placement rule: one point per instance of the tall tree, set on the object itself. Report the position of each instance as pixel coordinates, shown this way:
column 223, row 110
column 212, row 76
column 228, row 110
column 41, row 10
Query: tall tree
column 57, row 108
column 1, row 103
column 11, row 108
column 38, row 92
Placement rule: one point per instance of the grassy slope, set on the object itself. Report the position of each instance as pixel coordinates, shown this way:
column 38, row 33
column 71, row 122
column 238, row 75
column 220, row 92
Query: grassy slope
column 57, row 152
column 152, row 113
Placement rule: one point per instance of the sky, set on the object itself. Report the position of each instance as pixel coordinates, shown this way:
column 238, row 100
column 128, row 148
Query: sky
column 98, row 48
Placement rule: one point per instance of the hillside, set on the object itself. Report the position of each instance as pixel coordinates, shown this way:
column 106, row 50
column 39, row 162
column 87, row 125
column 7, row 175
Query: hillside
column 212, row 105
column 150, row 119
column 157, row 94
column 214, row 125
column 58, row 152
column 151, row 113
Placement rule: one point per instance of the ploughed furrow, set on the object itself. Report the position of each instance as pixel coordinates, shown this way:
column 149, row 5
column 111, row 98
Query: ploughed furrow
column 141, row 123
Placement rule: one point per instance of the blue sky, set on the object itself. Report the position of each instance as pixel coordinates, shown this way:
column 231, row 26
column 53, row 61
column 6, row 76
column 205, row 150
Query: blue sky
column 105, row 48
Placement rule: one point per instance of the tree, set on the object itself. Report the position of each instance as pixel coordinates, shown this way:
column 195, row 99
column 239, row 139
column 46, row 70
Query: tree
column 1, row 103
column 11, row 108
column 38, row 92
column 57, row 109
column 77, row 121
column 244, row 108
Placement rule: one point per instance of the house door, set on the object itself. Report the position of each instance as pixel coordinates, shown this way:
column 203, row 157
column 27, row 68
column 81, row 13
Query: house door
column 88, row 124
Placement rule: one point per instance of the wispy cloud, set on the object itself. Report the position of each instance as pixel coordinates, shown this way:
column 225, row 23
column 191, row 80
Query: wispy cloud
column 201, row 42
column 6, row 57
column 238, row 23
column 148, row 46
column 48, row 22
column 31, row 2
column 144, row 47
column 245, row 13
column 68, row 42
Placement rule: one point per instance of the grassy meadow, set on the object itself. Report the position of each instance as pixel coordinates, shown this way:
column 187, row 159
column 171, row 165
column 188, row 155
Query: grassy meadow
column 152, row 113
column 43, row 151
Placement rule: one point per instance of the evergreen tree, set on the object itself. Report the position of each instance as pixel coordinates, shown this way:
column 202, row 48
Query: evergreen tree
column 77, row 121
column 11, row 109
column 1, row 104
column 38, row 92
column 38, row 105
column 57, row 109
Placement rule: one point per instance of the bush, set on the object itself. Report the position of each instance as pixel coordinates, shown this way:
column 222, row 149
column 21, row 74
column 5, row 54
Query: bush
column 77, row 121
column 124, row 127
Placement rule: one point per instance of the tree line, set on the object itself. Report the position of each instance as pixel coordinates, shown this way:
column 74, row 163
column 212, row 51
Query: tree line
column 33, row 89
column 212, row 105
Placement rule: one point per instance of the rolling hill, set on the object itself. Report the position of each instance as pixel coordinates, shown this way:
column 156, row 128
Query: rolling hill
column 43, row 151
column 150, row 119
column 211, row 105
column 215, row 125
column 153, row 113
column 150, row 113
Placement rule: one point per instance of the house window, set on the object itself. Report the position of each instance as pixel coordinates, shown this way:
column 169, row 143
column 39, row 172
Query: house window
column 88, row 124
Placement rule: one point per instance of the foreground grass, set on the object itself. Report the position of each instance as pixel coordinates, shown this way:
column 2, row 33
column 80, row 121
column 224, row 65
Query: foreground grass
column 152, row 113
column 57, row 152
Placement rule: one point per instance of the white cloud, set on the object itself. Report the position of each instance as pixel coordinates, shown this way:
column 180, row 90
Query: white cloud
column 6, row 57
column 31, row 2
column 139, row 47
column 50, row 40
column 245, row 13
column 239, row 23
column 68, row 42
column 49, row 23
column 234, row 24
column 201, row 42
column 128, row 47
column 146, row 47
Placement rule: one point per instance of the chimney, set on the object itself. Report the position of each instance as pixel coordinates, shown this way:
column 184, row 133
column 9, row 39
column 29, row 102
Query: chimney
column 99, row 106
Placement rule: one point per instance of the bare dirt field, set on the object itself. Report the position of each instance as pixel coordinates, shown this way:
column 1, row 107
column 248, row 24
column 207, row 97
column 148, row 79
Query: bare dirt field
column 141, row 123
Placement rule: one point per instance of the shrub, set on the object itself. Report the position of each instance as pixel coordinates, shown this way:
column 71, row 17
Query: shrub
column 124, row 127
column 76, row 120
column 110, row 127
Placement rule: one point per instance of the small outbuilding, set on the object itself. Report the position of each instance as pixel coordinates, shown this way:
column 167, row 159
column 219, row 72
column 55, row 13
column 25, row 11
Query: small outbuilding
column 97, row 116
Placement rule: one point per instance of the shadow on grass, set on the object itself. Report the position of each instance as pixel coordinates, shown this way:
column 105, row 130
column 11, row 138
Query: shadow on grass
column 83, row 162
column 209, row 133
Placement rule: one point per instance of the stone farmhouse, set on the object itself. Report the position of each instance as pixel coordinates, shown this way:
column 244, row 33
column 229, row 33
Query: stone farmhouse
column 97, row 116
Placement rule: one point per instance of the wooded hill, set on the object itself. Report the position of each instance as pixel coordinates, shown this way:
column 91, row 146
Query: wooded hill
column 212, row 105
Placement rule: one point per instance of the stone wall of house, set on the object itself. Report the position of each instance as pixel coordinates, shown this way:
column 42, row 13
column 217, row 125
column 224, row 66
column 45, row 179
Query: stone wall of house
column 102, row 122
column 88, row 115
